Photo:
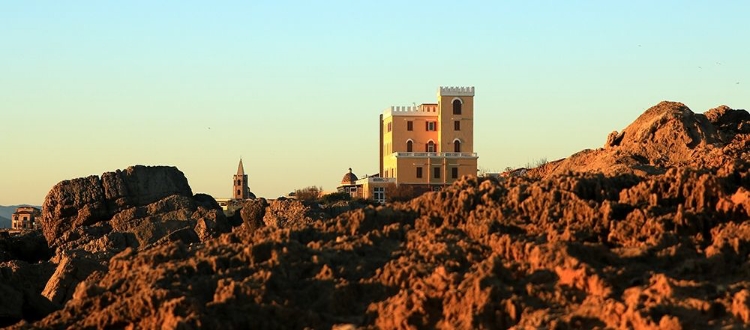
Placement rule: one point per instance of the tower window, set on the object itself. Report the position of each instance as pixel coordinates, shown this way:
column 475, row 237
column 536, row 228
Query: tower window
column 456, row 146
column 436, row 172
column 457, row 107
column 419, row 172
column 410, row 125
column 430, row 126
column 454, row 172
column 409, row 146
column 456, row 125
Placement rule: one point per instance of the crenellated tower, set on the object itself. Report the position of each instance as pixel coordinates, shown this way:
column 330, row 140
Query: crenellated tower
column 456, row 119
column 431, row 144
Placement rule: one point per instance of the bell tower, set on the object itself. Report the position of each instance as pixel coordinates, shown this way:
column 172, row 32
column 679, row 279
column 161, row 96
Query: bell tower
column 240, row 190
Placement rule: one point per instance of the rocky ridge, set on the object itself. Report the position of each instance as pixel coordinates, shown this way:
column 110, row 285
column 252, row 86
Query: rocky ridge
column 650, row 232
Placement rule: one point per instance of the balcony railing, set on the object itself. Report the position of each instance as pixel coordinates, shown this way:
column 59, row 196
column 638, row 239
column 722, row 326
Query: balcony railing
column 436, row 154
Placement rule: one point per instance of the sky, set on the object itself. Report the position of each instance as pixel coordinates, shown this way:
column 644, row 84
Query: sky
column 295, row 88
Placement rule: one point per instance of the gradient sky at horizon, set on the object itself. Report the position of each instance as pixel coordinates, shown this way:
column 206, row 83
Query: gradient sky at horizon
column 295, row 88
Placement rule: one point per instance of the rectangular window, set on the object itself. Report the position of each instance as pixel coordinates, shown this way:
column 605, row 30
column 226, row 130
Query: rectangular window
column 379, row 194
column 436, row 172
column 456, row 125
column 389, row 126
column 419, row 172
column 430, row 126
column 410, row 125
column 454, row 172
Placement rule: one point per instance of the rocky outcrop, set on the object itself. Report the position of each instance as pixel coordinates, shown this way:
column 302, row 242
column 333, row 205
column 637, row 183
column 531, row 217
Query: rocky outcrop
column 252, row 212
column 136, row 207
column 666, row 135
column 575, row 251
column 29, row 246
column 86, row 201
column 88, row 220
column 631, row 242
column 21, row 286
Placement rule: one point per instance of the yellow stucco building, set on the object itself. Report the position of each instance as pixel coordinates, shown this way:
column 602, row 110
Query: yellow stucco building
column 427, row 146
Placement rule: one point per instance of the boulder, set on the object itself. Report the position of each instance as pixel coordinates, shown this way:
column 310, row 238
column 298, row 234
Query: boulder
column 252, row 213
column 73, row 203
column 142, row 185
column 145, row 202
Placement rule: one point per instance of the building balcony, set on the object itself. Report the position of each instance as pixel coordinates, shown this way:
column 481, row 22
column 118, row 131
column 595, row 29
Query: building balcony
column 436, row 154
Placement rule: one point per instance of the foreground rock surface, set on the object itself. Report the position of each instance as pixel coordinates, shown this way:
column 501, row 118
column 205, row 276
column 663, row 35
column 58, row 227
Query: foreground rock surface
column 86, row 221
column 643, row 238
column 580, row 251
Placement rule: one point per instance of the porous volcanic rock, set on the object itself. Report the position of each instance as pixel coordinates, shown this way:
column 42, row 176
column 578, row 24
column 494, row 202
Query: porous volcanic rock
column 85, row 201
column 29, row 246
column 135, row 207
column 574, row 251
column 667, row 135
column 21, row 286
column 252, row 213
column 88, row 220
column 631, row 242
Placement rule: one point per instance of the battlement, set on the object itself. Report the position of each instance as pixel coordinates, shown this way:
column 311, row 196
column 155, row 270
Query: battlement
column 411, row 110
column 456, row 91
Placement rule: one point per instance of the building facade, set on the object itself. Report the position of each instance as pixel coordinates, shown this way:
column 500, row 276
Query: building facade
column 426, row 147
column 26, row 218
column 369, row 187
column 430, row 145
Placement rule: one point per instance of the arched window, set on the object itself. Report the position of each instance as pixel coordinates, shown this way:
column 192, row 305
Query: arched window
column 456, row 145
column 409, row 146
column 457, row 106
column 430, row 147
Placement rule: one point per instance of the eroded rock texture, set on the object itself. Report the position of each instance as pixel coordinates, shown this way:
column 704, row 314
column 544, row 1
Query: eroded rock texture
column 651, row 232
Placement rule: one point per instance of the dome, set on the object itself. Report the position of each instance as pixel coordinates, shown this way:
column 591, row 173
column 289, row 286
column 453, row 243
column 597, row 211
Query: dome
column 349, row 178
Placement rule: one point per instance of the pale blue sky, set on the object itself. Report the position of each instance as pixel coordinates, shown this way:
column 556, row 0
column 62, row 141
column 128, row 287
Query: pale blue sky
column 296, row 88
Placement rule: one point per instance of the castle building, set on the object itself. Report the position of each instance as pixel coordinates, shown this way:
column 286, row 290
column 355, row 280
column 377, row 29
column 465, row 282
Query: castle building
column 25, row 217
column 240, row 189
column 427, row 146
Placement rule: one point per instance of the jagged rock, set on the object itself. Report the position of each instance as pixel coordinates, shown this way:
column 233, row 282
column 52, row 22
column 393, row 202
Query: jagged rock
column 29, row 246
column 648, row 243
column 88, row 220
column 284, row 213
column 614, row 139
column 667, row 135
column 72, row 203
column 21, row 286
column 142, row 185
column 253, row 212
column 70, row 271
column 143, row 203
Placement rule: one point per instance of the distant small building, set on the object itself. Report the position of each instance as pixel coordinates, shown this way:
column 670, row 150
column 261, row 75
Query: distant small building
column 369, row 187
column 241, row 190
column 25, row 218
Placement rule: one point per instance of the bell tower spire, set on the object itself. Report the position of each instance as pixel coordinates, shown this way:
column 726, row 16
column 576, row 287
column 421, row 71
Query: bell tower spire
column 240, row 188
column 240, row 168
